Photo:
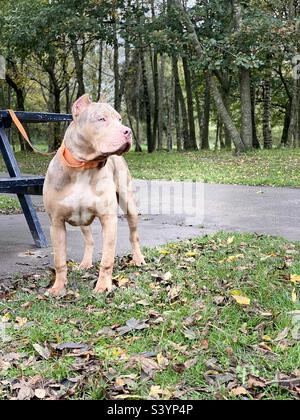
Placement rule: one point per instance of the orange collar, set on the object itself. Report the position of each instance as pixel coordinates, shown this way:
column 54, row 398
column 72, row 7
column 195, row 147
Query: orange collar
column 69, row 160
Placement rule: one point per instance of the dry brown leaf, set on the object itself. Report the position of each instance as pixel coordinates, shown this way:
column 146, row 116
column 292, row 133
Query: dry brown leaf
column 236, row 392
column 42, row 351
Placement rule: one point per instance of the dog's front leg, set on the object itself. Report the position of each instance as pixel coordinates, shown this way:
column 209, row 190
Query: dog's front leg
column 59, row 242
column 109, row 233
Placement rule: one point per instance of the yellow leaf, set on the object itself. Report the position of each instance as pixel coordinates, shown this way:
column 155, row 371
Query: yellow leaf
column 164, row 252
column 234, row 257
column 295, row 278
column 155, row 391
column 230, row 240
column 6, row 318
column 267, row 338
column 236, row 392
column 294, row 296
column 191, row 254
column 239, row 298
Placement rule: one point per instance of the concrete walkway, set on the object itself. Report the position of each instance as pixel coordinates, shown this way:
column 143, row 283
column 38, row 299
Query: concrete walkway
column 266, row 210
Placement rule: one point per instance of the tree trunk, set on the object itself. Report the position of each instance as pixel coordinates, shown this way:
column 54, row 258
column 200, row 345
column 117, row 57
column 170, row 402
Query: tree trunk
column 161, row 95
column 206, row 115
column 117, row 103
column 100, row 68
column 191, row 144
column 179, row 94
column 150, row 145
column 221, row 109
column 156, row 99
column 20, row 101
column 286, row 124
column 256, row 143
column 225, row 117
column 176, row 106
column 78, row 61
column 246, row 108
column 137, row 109
column 267, row 131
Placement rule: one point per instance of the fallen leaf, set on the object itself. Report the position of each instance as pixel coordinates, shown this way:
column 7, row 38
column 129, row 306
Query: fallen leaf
column 72, row 346
column 156, row 392
column 167, row 276
column 295, row 278
column 25, row 393
column 282, row 335
column 236, row 392
column 190, row 363
column 131, row 325
column 149, row 366
column 42, row 351
column 21, row 321
column 40, row 393
column 190, row 334
column 239, row 298
column 191, row 254
column 204, row 344
column 218, row 300
column 162, row 360
column 4, row 366
column 255, row 382
column 230, row 240
column 173, row 293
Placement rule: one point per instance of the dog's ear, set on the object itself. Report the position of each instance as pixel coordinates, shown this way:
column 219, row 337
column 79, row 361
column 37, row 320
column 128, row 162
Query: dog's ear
column 103, row 99
column 81, row 104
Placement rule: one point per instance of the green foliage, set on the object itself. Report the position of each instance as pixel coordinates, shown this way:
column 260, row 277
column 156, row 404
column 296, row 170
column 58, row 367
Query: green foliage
column 196, row 341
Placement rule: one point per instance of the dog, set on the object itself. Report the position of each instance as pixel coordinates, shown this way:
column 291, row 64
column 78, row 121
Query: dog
column 89, row 178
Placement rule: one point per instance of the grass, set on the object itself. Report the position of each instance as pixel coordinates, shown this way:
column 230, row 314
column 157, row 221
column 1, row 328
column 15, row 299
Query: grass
column 189, row 337
column 9, row 205
column 277, row 167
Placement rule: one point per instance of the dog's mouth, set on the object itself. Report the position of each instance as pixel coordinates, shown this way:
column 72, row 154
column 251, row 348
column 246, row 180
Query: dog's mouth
column 123, row 149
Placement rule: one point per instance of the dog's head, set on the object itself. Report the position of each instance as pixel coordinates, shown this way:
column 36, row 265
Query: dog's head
column 99, row 125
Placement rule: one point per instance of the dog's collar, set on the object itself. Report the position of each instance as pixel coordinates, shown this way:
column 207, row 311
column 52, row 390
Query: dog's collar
column 70, row 161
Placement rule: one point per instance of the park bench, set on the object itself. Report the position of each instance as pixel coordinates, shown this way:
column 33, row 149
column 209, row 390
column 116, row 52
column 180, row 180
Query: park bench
column 24, row 186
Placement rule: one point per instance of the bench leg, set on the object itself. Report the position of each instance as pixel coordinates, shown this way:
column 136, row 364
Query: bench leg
column 25, row 200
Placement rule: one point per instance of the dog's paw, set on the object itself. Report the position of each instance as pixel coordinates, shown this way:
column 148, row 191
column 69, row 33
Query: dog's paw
column 138, row 259
column 102, row 287
column 56, row 291
column 85, row 265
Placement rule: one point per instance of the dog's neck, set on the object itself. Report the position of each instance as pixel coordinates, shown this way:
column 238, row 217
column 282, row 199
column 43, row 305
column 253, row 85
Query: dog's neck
column 79, row 146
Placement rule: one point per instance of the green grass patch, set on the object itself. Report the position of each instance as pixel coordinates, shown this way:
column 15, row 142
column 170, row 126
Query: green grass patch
column 188, row 336
column 9, row 205
column 278, row 167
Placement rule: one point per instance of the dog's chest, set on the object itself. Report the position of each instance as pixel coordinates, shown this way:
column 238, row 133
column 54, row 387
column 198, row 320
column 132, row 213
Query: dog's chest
column 88, row 197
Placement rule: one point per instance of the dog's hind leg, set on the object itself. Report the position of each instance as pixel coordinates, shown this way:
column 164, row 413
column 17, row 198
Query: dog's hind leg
column 87, row 261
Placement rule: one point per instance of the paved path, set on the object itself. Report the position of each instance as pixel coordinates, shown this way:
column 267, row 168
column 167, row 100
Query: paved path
column 221, row 207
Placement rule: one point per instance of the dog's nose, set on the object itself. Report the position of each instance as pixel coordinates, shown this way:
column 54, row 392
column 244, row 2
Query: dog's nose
column 127, row 132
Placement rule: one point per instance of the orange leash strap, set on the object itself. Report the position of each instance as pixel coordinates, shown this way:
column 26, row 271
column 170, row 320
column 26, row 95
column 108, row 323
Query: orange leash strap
column 22, row 130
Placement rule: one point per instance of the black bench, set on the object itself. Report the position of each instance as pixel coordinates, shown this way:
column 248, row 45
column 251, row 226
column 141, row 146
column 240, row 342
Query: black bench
column 24, row 185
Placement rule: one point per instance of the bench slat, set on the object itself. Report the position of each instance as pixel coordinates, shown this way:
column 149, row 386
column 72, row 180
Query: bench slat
column 22, row 185
column 34, row 117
